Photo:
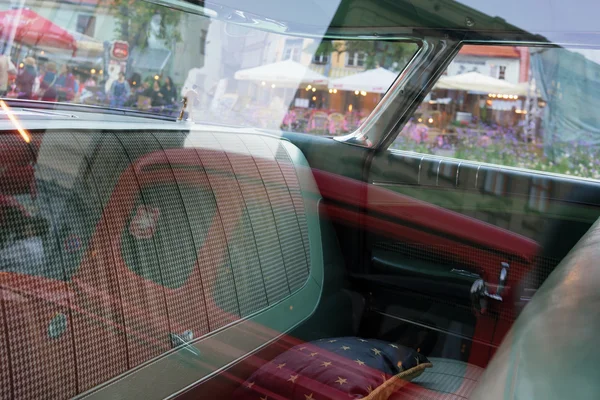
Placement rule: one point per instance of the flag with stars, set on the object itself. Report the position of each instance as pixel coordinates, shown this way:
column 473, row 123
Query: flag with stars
column 336, row 368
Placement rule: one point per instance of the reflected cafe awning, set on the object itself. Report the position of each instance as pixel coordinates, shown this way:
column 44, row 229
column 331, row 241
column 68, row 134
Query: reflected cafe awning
column 286, row 73
column 476, row 82
column 376, row 80
column 148, row 59
column 28, row 28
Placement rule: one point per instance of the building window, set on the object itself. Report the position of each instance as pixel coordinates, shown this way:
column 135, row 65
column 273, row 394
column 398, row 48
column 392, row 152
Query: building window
column 321, row 59
column 292, row 49
column 202, row 42
column 502, row 72
column 356, row 59
column 86, row 24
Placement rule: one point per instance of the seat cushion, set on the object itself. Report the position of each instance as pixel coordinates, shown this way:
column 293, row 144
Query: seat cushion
column 335, row 368
column 447, row 379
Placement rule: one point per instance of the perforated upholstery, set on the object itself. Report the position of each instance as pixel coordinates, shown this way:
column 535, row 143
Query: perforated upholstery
column 123, row 245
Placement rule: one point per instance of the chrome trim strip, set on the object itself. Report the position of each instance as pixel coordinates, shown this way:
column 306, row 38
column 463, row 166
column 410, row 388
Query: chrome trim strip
column 419, row 173
column 457, row 169
column 477, row 176
column 389, row 184
column 437, row 178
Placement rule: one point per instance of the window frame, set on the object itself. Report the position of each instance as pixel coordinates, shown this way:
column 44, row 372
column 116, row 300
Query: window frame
column 321, row 59
column 502, row 72
column 90, row 25
column 293, row 46
column 358, row 59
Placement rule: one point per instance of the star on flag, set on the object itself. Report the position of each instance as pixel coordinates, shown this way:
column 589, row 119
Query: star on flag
column 341, row 380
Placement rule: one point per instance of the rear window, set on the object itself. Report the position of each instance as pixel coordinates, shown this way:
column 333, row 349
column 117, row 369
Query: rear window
column 146, row 57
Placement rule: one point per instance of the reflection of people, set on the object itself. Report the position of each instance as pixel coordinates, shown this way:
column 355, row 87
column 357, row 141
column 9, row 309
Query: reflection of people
column 77, row 84
column 47, row 84
column 90, row 82
column 6, row 68
column 65, row 84
column 119, row 91
column 156, row 97
column 25, row 254
column 193, row 102
column 26, row 78
column 135, row 81
column 169, row 91
column 87, row 90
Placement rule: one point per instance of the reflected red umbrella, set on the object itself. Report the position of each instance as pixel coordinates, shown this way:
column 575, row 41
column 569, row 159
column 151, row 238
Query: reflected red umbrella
column 34, row 30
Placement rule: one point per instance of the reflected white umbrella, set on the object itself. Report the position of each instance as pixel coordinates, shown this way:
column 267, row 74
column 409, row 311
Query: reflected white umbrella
column 476, row 82
column 286, row 73
column 376, row 80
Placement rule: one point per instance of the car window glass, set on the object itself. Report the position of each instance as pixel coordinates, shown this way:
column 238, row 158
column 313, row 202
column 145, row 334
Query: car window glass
column 147, row 58
column 156, row 242
column 524, row 107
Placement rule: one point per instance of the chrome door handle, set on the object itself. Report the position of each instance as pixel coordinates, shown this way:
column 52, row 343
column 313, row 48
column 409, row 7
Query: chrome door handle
column 479, row 290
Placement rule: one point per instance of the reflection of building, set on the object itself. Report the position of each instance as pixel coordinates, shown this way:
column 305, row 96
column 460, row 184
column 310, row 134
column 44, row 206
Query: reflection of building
column 93, row 18
column 508, row 63
column 191, row 51
column 95, row 21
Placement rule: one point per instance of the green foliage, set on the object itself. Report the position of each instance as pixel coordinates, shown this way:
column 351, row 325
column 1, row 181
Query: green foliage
column 134, row 22
column 325, row 47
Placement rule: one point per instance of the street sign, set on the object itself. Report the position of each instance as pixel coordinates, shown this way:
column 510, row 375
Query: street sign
column 120, row 50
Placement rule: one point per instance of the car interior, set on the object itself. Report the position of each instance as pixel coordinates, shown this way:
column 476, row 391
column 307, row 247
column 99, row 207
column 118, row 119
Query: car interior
column 180, row 258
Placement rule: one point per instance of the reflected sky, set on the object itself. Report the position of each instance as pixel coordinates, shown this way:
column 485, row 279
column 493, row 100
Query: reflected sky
column 543, row 15
column 548, row 17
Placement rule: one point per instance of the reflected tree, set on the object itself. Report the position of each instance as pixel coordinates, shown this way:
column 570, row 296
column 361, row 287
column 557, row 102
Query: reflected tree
column 138, row 21
column 392, row 55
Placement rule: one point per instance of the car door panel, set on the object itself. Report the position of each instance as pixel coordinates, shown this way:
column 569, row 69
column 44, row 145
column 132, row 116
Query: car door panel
column 391, row 268
column 492, row 202
column 458, row 215
column 402, row 231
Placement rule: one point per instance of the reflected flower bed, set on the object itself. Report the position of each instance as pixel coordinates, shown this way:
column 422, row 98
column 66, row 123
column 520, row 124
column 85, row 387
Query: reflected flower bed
column 503, row 146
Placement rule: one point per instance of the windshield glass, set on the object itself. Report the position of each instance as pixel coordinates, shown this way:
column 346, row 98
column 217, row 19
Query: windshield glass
column 146, row 57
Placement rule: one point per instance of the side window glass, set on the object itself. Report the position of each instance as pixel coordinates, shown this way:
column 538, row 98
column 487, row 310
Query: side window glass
column 524, row 107
column 156, row 233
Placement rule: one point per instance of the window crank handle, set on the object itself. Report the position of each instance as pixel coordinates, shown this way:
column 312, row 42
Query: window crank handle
column 503, row 278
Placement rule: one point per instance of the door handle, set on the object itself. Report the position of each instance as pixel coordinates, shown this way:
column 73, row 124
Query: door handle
column 480, row 294
column 184, row 340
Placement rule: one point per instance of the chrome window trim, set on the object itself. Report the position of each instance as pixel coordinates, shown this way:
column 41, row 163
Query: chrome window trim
column 361, row 137
column 478, row 165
